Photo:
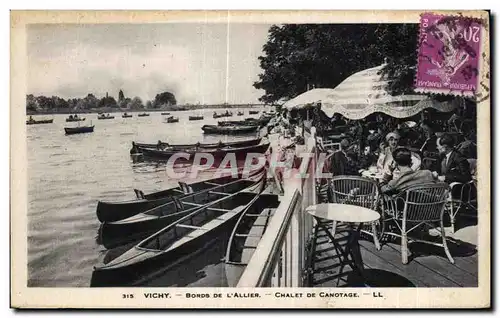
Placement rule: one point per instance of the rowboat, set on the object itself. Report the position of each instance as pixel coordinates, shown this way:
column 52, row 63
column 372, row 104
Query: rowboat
column 74, row 118
column 195, row 117
column 145, row 223
column 115, row 211
column 241, row 113
column 217, row 153
column 78, row 130
column 172, row 119
column 253, row 112
column 159, row 251
column 143, row 115
column 125, row 115
column 246, row 235
column 105, row 116
column 226, row 114
column 165, row 146
column 32, row 121
column 165, row 114
column 228, row 130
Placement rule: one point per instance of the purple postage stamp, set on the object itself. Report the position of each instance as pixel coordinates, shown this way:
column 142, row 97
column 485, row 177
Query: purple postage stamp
column 448, row 54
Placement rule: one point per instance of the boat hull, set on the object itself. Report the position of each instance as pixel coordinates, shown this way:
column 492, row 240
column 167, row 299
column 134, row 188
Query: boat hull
column 36, row 122
column 140, row 261
column 68, row 120
column 245, row 143
column 228, row 130
column 78, row 130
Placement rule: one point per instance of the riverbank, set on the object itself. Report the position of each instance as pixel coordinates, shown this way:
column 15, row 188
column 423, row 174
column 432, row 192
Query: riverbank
column 165, row 109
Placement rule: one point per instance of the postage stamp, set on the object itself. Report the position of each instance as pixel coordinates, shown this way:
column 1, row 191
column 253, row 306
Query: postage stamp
column 448, row 54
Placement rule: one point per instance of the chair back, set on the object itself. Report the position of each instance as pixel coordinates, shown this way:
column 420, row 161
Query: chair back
column 355, row 191
column 424, row 202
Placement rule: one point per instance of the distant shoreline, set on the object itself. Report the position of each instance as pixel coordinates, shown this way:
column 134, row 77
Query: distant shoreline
column 166, row 109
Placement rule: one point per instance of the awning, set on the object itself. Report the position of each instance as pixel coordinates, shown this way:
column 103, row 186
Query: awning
column 365, row 93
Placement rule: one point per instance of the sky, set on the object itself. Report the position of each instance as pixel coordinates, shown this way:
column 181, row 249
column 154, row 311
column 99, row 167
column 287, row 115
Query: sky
column 203, row 63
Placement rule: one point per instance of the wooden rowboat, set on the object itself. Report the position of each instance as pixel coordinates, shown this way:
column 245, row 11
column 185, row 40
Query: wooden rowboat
column 32, row 121
column 239, row 123
column 189, row 233
column 172, row 119
column 143, row 115
column 246, row 236
column 165, row 146
column 218, row 153
column 105, row 116
column 195, row 117
column 142, row 224
column 253, row 112
column 78, row 130
column 228, row 130
column 115, row 211
column 125, row 115
column 165, row 113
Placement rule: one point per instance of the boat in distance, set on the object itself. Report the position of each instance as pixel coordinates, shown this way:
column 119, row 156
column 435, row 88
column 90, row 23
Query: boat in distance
column 74, row 118
column 164, row 145
column 125, row 115
column 228, row 130
column 253, row 112
column 172, row 119
column 187, row 234
column 107, row 211
column 195, row 118
column 141, row 225
column 246, row 235
column 78, row 130
column 165, row 113
column 102, row 116
column 143, row 115
column 32, row 121
column 240, row 153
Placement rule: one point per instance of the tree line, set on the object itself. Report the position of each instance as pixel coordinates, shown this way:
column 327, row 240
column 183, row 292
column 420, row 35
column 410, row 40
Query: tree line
column 298, row 57
column 55, row 103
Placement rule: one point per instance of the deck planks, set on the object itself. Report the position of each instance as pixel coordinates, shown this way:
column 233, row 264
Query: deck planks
column 424, row 270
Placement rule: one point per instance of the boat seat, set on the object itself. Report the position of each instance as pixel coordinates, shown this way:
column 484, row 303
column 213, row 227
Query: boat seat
column 185, row 188
column 247, row 235
column 192, row 227
column 212, row 183
column 218, row 210
column 221, row 193
column 192, row 203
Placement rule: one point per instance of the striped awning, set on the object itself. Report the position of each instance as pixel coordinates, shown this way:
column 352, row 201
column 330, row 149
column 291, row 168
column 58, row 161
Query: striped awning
column 365, row 93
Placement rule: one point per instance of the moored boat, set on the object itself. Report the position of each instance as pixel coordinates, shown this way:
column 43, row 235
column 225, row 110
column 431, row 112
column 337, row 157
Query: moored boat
column 74, row 118
column 143, row 115
column 164, row 114
column 102, row 116
column 172, row 119
column 220, row 144
column 239, row 123
column 253, row 112
column 196, row 117
column 217, row 153
column 228, row 130
column 125, row 115
column 145, row 223
column 165, row 247
column 32, row 121
column 246, row 235
column 115, row 211
column 241, row 113
column 78, row 130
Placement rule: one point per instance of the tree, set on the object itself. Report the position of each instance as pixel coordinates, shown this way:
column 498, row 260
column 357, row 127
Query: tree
column 164, row 99
column 300, row 57
column 135, row 103
column 31, row 103
column 149, row 104
column 108, row 101
column 121, row 97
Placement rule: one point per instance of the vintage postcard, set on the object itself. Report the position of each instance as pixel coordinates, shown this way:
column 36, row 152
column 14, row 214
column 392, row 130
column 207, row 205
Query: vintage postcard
column 250, row 159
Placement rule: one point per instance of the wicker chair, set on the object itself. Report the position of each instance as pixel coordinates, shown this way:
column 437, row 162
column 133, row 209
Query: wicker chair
column 356, row 191
column 417, row 205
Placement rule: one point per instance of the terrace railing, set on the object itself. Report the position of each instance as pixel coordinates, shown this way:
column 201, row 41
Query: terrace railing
column 280, row 257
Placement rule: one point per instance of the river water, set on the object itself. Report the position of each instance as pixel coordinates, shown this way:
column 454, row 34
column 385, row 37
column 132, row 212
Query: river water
column 68, row 175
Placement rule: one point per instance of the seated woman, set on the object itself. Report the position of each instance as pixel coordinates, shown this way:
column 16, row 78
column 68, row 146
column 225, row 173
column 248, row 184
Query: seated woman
column 385, row 160
column 406, row 176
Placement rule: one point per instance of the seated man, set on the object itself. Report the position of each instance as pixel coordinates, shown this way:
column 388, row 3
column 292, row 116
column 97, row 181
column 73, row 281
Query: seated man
column 342, row 163
column 454, row 167
column 406, row 176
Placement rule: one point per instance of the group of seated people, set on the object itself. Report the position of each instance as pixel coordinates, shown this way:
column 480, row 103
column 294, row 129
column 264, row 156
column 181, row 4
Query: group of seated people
column 401, row 166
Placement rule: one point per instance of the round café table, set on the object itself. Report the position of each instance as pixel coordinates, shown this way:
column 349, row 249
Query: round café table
column 353, row 215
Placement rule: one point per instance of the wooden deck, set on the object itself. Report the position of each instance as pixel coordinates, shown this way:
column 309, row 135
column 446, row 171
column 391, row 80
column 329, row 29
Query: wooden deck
column 427, row 267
